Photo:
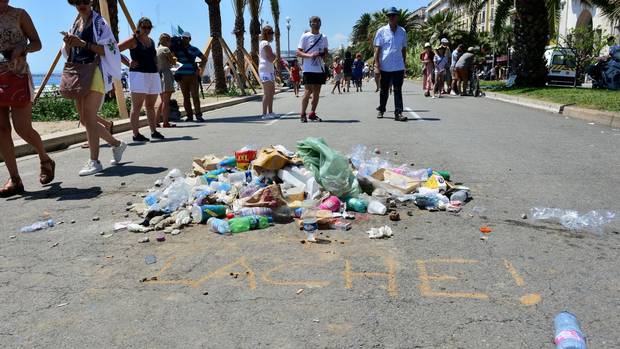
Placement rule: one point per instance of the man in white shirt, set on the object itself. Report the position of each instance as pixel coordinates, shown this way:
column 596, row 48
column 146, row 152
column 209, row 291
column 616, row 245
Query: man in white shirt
column 312, row 49
column 390, row 56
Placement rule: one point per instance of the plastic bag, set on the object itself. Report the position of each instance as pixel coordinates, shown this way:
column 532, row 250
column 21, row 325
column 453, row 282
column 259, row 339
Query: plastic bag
column 331, row 170
column 592, row 221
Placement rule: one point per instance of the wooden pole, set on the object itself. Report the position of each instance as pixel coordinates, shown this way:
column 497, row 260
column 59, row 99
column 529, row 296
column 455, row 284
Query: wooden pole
column 207, row 49
column 118, row 86
column 48, row 75
column 232, row 58
column 132, row 25
column 253, row 68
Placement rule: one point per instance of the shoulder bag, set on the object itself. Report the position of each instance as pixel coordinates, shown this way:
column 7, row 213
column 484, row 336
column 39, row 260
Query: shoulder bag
column 14, row 88
column 77, row 77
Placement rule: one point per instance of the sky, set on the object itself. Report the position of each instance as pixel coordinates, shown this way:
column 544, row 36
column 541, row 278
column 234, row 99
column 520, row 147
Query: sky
column 338, row 17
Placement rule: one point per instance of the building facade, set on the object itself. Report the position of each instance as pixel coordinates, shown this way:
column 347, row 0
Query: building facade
column 576, row 13
column 486, row 17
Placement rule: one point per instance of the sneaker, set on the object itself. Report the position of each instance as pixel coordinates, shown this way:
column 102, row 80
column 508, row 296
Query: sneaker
column 275, row 116
column 157, row 135
column 313, row 117
column 380, row 115
column 399, row 117
column 453, row 93
column 91, row 167
column 199, row 118
column 268, row 116
column 140, row 138
column 304, row 119
column 427, row 94
column 117, row 153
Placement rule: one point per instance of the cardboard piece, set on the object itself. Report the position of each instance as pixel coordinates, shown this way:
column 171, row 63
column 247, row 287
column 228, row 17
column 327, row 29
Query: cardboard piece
column 403, row 183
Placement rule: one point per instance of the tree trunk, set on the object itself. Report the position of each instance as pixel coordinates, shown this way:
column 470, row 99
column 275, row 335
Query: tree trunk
column 254, row 34
column 215, row 25
column 239, row 34
column 531, row 37
column 113, row 8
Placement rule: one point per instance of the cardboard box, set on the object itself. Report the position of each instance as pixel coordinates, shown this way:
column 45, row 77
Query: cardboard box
column 403, row 183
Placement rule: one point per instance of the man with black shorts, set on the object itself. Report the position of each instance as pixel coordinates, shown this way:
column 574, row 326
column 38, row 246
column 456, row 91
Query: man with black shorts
column 312, row 49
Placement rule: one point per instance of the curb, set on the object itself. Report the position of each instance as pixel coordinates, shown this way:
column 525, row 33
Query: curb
column 64, row 139
column 610, row 119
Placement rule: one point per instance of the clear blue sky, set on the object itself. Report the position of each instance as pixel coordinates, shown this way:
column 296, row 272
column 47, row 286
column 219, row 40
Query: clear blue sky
column 52, row 16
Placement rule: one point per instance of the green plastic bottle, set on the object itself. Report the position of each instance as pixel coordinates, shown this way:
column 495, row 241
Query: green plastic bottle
column 445, row 174
column 243, row 224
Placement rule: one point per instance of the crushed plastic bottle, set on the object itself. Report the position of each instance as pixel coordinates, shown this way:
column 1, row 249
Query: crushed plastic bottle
column 592, row 221
column 219, row 226
column 38, row 226
column 461, row 196
column 568, row 333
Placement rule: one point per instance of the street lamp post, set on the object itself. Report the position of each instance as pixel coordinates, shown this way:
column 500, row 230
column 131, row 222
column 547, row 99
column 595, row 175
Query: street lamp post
column 288, row 35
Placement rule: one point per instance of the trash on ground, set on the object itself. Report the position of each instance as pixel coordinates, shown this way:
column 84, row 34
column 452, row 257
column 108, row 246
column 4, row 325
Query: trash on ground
column 316, row 187
column 300, row 291
column 593, row 221
column 38, row 226
column 150, row 259
column 568, row 334
column 62, row 305
column 379, row 233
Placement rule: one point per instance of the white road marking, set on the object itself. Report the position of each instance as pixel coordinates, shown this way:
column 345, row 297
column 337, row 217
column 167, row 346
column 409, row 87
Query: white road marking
column 413, row 114
column 281, row 117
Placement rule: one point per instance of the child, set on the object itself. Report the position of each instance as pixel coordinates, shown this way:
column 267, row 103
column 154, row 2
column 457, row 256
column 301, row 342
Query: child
column 441, row 61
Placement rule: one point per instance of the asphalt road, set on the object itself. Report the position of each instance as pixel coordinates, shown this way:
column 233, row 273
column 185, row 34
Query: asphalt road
column 435, row 284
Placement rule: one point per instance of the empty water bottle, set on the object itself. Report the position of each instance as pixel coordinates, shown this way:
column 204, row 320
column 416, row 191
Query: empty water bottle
column 38, row 226
column 460, row 196
column 568, row 334
column 219, row 226
column 254, row 211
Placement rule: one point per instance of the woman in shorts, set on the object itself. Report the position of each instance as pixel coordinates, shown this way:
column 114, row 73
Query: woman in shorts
column 296, row 77
column 266, row 72
column 144, row 80
column 337, row 74
column 165, row 61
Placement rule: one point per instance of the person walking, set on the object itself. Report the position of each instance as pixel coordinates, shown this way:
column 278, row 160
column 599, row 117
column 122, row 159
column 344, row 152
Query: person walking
column 189, row 74
column 445, row 43
column 19, row 38
column 337, row 72
column 91, row 43
column 312, row 48
column 427, row 69
column 165, row 61
column 347, row 69
column 295, row 76
column 144, row 79
column 358, row 72
column 440, row 61
column 456, row 54
column 390, row 56
column 266, row 72
column 228, row 74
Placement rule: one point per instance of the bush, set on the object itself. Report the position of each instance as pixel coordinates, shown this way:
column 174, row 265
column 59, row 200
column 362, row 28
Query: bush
column 54, row 108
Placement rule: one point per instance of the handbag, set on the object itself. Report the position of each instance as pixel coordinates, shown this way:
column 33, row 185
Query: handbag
column 77, row 78
column 14, row 89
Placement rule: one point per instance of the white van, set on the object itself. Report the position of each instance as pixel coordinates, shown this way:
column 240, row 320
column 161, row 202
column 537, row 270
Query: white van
column 561, row 66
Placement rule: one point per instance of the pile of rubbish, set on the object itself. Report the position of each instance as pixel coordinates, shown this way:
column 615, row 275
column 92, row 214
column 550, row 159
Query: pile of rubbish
column 316, row 187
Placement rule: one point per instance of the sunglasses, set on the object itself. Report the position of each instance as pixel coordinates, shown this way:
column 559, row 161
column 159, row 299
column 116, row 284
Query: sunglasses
column 146, row 27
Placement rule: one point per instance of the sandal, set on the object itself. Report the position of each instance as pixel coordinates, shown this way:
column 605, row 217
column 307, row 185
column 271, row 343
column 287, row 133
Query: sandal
column 314, row 117
column 304, row 119
column 12, row 187
column 168, row 125
column 111, row 129
column 48, row 170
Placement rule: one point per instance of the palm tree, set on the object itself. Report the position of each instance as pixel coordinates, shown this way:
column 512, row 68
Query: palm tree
column 275, row 11
column 439, row 26
column 215, row 25
column 359, row 35
column 255, row 7
column 610, row 8
column 531, row 37
column 472, row 9
column 239, row 7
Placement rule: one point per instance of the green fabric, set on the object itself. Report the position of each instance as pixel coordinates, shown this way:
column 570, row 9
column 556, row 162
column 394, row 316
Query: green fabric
column 330, row 168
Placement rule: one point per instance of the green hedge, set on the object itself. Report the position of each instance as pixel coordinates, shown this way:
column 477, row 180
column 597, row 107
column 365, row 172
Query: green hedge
column 55, row 108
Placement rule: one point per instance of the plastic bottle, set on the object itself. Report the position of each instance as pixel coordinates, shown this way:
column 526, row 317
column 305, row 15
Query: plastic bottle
column 568, row 334
column 240, row 177
column 375, row 207
column 445, row 174
column 254, row 211
column 228, row 162
column 357, row 205
column 38, row 226
column 200, row 214
column 461, row 196
column 282, row 215
column 219, row 226
column 239, row 225
column 310, row 223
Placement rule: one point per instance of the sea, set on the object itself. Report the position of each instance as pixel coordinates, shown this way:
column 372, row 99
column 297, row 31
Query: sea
column 38, row 79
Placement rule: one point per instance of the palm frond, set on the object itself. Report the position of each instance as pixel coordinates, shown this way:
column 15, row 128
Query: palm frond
column 502, row 12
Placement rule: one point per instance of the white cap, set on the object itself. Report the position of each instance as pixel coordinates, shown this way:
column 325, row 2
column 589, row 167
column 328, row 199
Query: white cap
column 186, row 35
column 428, row 44
column 445, row 41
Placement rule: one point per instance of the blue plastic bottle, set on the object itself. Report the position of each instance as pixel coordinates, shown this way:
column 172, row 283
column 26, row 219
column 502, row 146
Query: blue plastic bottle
column 568, row 334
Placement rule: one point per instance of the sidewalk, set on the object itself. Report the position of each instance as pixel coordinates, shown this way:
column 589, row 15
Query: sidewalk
column 61, row 135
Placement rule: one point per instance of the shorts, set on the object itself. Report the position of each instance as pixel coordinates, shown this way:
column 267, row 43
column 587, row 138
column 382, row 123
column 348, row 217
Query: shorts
column 447, row 76
column 338, row 77
column 314, row 78
column 97, row 84
column 462, row 73
column 453, row 72
column 167, row 81
column 147, row 83
column 267, row 77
